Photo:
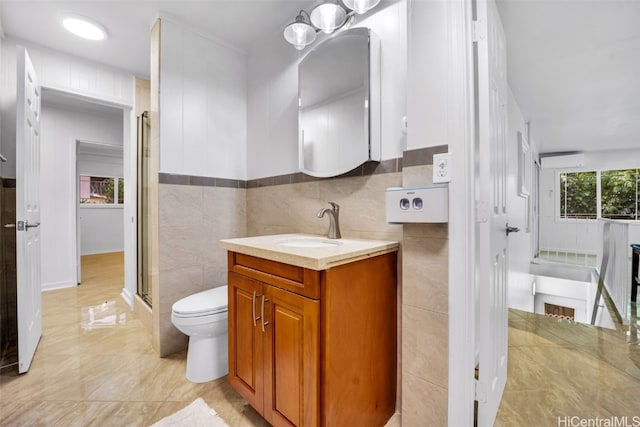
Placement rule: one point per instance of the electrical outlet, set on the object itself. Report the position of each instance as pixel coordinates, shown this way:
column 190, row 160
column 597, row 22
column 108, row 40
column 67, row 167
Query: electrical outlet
column 441, row 168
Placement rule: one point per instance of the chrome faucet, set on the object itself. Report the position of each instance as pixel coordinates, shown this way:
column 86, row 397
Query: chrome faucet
column 334, row 224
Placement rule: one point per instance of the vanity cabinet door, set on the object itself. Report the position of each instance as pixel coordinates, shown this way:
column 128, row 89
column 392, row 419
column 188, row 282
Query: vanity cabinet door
column 246, row 353
column 292, row 350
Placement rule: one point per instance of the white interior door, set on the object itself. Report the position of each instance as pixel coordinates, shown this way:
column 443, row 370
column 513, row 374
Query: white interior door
column 492, row 251
column 28, row 211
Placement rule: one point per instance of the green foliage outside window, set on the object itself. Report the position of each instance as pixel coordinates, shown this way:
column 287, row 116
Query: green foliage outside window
column 578, row 195
column 619, row 194
column 121, row 191
column 109, row 191
column 101, row 190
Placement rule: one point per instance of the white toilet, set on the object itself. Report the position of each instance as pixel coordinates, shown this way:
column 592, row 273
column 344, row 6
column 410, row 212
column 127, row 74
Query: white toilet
column 204, row 318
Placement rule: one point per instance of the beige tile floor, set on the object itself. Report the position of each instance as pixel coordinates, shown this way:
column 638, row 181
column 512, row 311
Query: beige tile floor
column 561, row 369
column 89, row 375
column 84, row 374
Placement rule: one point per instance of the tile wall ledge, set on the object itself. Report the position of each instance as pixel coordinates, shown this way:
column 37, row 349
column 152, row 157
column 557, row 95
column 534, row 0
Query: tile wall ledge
column 417, row 157
column 203, row 181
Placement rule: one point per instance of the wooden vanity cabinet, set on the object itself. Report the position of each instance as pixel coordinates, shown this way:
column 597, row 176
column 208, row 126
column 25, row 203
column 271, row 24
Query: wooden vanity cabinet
column 274, row 361
column 314, row 348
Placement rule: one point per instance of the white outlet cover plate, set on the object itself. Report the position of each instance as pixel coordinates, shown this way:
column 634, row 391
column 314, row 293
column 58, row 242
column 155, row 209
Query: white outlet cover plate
column 441, row 168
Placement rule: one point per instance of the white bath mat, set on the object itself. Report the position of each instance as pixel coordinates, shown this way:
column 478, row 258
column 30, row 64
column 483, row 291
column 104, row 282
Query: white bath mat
column 197, row 414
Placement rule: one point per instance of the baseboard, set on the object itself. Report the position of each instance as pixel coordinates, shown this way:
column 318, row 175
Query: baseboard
column 127, row 297
column 58, row 285
column 569, row 252
column 108, row 251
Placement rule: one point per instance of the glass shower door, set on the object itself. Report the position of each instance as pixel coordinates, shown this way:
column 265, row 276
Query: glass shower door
column 144, row 155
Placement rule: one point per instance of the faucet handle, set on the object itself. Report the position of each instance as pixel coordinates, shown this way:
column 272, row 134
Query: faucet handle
column 335, row 206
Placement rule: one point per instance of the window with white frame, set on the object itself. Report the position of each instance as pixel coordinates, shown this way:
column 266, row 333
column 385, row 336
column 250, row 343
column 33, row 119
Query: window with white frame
column 578, row 195
column 619, row 199
column 610, row 194
column 100, row 190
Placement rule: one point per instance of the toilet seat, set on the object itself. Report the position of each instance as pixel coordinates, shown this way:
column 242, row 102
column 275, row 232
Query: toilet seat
column 205, row 303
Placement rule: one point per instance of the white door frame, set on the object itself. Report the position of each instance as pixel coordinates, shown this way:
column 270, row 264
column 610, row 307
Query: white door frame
column 461, row 133
column 76, row 143
column 130, row 200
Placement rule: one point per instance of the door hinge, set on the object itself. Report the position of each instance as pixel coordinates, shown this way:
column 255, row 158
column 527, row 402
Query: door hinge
column 481, row 391
column 482, row 211
column 478, row 30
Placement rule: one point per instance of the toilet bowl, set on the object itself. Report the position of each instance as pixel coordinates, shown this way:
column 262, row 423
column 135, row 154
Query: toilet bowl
column 203, row 317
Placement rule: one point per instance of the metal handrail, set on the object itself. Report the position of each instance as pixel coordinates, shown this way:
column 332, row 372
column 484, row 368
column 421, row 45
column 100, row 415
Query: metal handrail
column 603, row 270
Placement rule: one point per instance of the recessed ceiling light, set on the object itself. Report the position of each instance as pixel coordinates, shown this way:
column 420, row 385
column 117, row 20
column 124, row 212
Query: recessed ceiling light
column 84, row 27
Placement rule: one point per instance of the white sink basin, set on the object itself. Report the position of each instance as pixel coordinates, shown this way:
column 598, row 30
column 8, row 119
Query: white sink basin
column 309, row 243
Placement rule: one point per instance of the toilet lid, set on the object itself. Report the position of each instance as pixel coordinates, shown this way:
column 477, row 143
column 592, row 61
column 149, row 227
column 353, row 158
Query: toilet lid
column 202, row 303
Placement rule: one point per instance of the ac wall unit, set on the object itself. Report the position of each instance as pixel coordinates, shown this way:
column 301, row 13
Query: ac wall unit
column 562, row 161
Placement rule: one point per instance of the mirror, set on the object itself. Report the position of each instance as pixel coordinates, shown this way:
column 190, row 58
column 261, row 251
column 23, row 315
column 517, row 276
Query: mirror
column 339, row 104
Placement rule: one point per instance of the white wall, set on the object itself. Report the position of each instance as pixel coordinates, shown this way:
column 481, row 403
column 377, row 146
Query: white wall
column 520, row 295
column 272, row 141
column 99, row 164
column 59, row 71
column 428, row 75
column 571, row 235
column 60, row 129
column 93, row 81
column 577, row 235
column 634, row 233
column 272, row 109
column 203, row 105
column 612, row 159
column 101, row 227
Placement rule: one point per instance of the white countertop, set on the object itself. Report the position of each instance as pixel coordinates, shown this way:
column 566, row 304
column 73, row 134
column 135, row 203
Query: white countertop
column 315, row 258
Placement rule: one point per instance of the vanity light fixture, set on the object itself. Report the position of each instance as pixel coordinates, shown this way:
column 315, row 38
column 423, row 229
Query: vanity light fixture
column 84, row 27
column 326, row 17
column 300, row 32
column 361, row 6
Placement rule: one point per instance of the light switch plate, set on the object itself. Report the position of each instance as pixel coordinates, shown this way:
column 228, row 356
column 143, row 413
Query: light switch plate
column 441, row 168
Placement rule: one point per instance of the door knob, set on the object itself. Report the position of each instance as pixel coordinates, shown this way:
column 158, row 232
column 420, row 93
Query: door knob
column 511, row 229
column 24, row 225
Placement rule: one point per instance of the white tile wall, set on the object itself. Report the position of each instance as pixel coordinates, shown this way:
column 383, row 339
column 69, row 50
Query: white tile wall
column 427, row 74
column 272, row 138
column 204, row 96
column 61, row 72
column 73, row 74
